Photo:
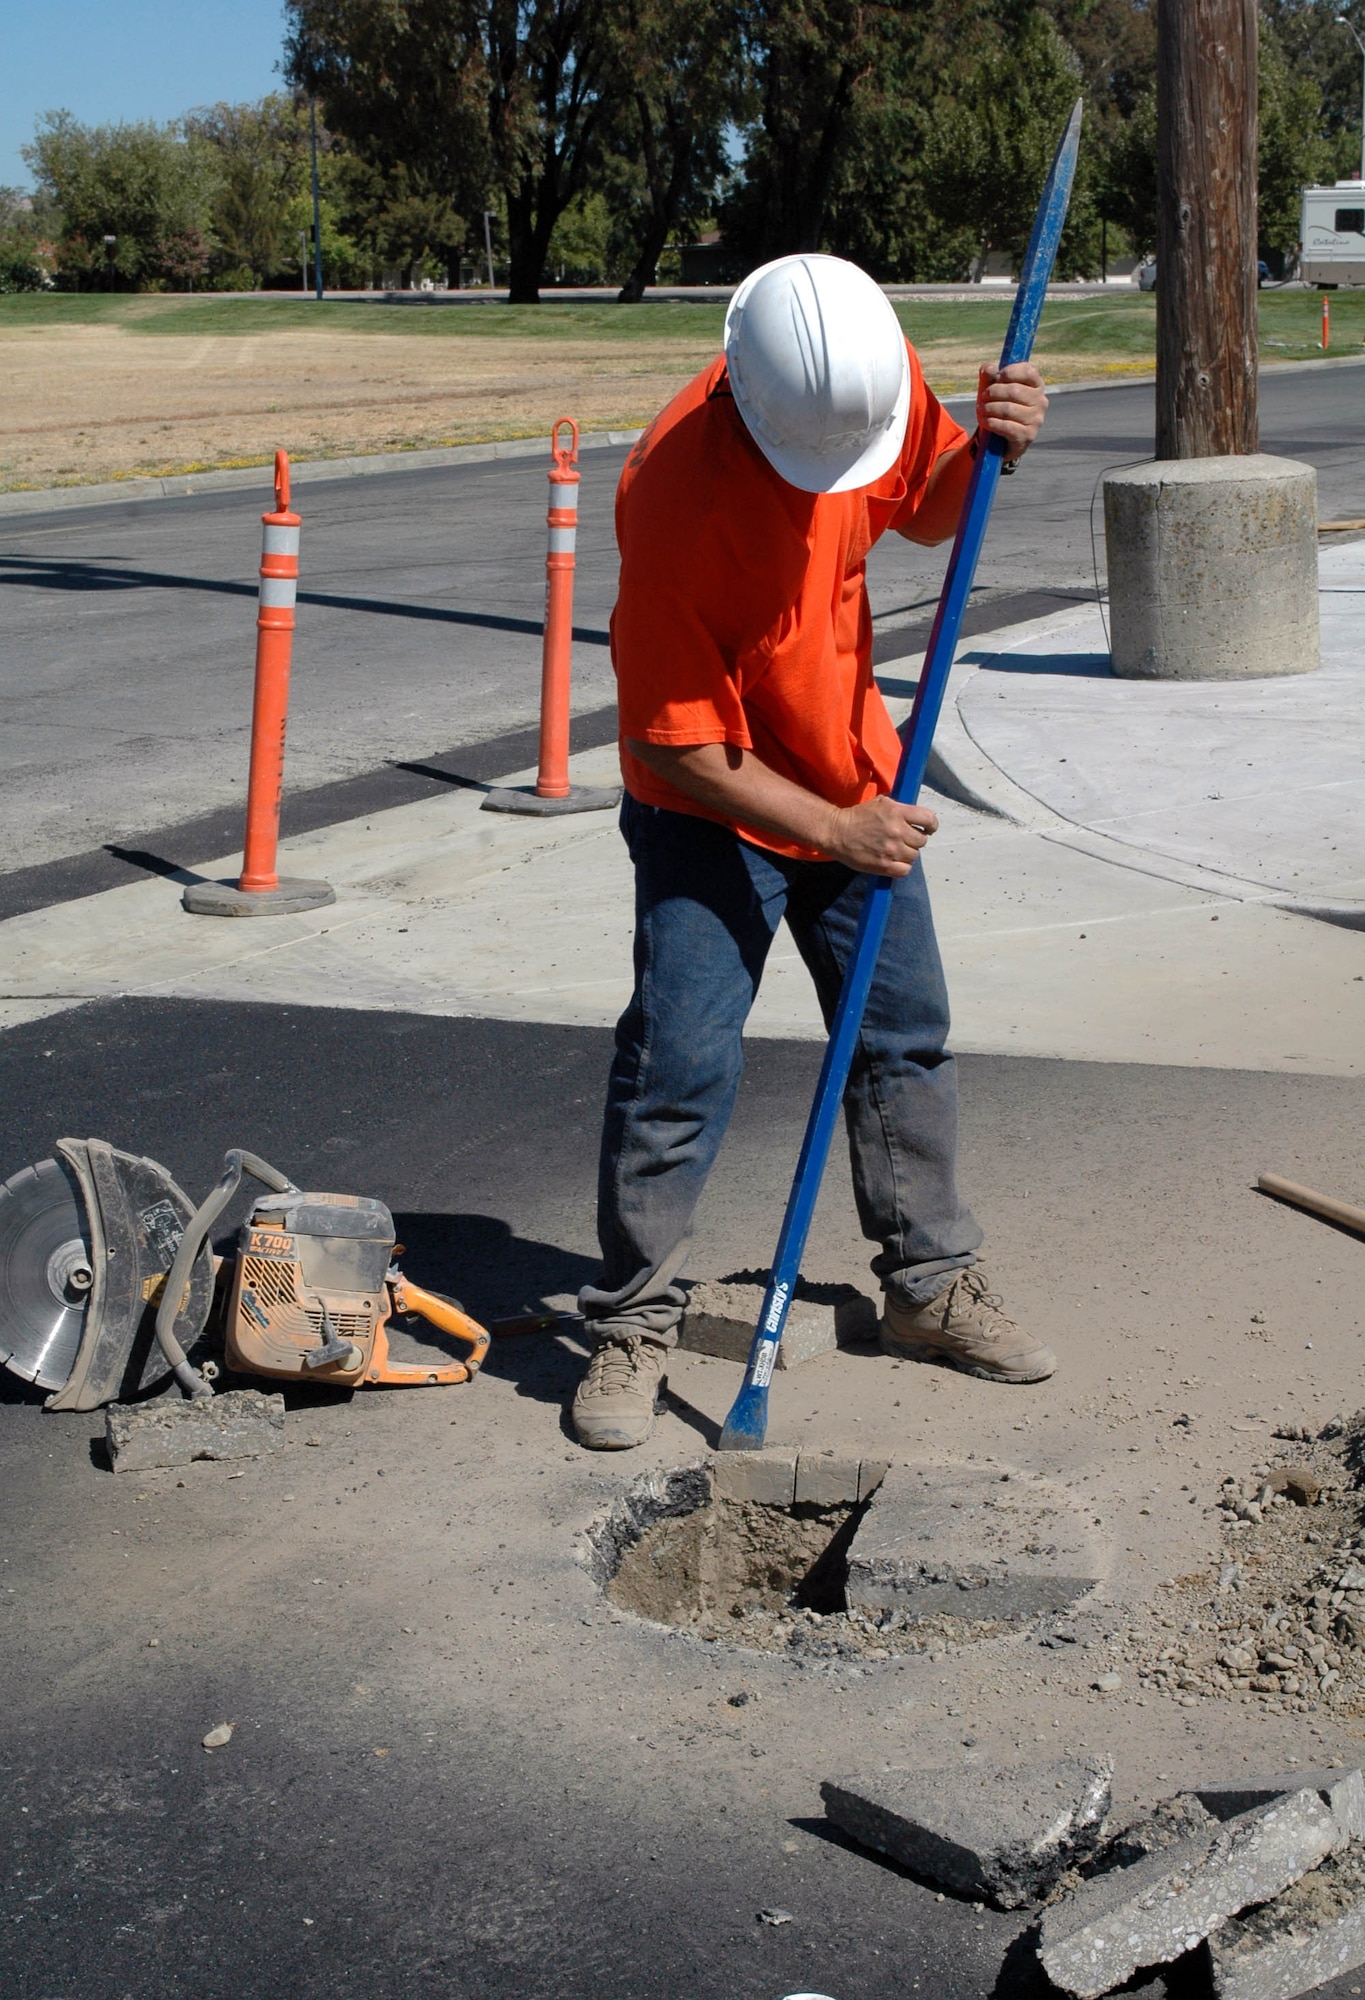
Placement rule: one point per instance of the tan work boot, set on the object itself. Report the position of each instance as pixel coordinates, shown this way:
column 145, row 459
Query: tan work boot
column 967, row 1327
column 613, row 1408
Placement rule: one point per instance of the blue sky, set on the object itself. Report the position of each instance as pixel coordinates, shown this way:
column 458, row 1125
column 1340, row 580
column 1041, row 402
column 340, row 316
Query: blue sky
column 107, row 60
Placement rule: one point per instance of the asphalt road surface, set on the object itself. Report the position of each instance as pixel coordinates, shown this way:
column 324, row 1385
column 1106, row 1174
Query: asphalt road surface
column 127, row 669
column 455, row 1773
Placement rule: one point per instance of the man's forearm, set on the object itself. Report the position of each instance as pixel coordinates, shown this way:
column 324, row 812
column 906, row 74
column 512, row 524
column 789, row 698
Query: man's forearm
column 740, row 785
column 878, row 837
column 938, row 514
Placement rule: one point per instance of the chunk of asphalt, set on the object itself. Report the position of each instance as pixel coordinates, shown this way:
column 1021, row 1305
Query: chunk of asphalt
column 977, row 1545
column 1314, row 1932
column 1001, row 1836
column 169, row 1431
column 1169, row 1902
column 1342, row 1791
column 721, row 1313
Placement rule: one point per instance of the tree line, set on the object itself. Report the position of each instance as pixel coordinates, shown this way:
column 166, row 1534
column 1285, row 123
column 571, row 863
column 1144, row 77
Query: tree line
column 585, row 139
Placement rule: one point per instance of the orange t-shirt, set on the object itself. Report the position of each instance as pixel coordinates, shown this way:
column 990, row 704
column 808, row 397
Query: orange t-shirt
column 742, row 615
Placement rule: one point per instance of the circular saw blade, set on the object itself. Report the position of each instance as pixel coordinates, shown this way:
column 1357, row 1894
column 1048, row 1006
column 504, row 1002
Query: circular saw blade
column 43, row 1233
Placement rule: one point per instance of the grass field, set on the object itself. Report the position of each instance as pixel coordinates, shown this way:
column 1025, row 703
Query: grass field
column 95, row 388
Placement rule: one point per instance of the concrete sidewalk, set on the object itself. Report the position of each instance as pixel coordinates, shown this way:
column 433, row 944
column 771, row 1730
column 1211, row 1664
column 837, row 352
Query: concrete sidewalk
column 1253, row 789
column 1094, row 900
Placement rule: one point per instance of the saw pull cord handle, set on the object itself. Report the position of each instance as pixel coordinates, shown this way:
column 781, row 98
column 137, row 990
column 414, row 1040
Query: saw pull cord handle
column 235, row 1164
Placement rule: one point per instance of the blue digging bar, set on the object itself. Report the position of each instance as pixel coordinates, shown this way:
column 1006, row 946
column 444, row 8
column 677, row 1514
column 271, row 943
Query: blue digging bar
column 747, row 1424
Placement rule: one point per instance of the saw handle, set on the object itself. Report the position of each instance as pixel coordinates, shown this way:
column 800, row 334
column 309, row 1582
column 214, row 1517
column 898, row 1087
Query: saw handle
column 439, row 1312
column 235, row 1164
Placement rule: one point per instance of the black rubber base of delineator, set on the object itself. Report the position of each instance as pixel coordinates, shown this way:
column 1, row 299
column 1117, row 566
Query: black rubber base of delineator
column 290, row 895
column 526, row 799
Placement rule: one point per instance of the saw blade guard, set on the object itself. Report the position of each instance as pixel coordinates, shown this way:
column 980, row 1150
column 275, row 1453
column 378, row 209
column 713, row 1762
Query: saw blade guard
column 135, row 1217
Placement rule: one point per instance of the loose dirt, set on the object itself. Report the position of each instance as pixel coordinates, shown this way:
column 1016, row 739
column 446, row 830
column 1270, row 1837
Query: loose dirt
column 90, row 403
column 773, row 1580
column 1277, row 1623
column 86, row 403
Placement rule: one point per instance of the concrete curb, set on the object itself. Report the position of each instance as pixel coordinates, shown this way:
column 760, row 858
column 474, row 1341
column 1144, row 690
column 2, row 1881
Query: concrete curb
column 178, row 486
column 961, row 770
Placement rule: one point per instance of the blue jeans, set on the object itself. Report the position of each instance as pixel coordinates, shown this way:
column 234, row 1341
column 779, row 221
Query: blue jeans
column 707, row 906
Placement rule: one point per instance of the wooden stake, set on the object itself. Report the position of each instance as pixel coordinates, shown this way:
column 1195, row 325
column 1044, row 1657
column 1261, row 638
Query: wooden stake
column 1206, row 228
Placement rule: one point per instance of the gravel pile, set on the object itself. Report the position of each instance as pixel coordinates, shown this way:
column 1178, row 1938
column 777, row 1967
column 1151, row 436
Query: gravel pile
column 1279, row 1621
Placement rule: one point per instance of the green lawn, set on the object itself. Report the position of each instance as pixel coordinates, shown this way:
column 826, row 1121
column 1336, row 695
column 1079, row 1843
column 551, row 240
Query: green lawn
column 1113, row 329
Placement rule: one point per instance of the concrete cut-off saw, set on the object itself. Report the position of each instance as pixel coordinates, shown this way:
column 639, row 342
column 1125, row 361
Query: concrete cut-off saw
column 109, row 1285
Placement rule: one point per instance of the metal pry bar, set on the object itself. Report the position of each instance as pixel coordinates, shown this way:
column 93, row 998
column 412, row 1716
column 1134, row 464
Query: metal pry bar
column 747, row 1424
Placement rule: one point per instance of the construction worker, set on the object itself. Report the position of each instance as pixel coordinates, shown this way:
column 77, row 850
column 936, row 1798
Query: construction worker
column 758, row 758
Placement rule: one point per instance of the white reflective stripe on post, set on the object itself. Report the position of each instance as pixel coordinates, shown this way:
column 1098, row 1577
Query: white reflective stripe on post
column 564, row 493
column 278, row 593
column 562, row 541
column 280, row 541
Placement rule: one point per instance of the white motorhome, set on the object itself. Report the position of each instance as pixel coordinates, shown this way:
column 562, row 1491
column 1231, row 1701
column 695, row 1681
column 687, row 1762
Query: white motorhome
column 1332, row 235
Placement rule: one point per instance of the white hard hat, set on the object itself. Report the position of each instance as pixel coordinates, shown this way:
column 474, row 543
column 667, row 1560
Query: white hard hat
column 819, row 372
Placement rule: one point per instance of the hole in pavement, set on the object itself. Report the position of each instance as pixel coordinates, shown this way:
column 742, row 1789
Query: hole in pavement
column 768, row 1578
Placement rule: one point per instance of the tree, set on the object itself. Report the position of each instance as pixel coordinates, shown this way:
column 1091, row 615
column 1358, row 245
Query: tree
column 26, row 249
column 146, row 186
column 547, row 61
column 1295, row 148
column 1320, row 54
column 260, row 152
column 674, row 67
column 404, row 84
column 805, row 61
column 992, row 141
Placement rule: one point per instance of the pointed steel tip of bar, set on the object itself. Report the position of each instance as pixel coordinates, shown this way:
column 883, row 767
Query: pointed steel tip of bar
column 747, row 1424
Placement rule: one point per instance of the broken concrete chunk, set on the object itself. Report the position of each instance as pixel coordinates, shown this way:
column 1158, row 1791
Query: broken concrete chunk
column 1001, row 1836
column 1314, row 1932
column 1342, row 1791
column 979, row 1545
column 241, row 1423
column 1172, row 1821
column 822, row 1480
column 871, row 1473
column 721, row 1314
column 764, row 1478
column 1168, row 1903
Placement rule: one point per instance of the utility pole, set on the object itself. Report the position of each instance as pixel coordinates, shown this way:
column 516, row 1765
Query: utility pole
column 317, row 203
column 1213, row 545
column 1206, row 228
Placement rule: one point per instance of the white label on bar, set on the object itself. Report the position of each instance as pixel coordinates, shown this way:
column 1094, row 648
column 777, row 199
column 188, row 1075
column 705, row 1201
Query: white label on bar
column 763, row 1367
column 280, row 541
column 564, row 496
column 562, row 541
column 278, row 593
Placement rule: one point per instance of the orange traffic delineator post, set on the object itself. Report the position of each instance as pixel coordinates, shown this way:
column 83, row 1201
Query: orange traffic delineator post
column 260, row 891
column 1326, row 323
column 552, row 792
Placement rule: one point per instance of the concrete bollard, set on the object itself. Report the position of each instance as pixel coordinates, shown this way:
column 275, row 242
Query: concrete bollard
column 1213, row 568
